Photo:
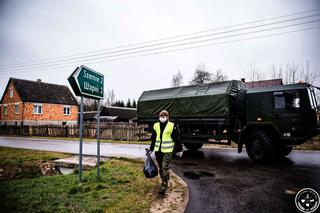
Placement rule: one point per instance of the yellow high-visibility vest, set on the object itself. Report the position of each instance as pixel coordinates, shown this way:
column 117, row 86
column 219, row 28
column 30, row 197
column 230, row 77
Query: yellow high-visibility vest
column 167, row 144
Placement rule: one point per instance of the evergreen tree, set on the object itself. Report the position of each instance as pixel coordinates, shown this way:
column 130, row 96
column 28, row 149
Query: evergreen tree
column 134, row 104
column 128, row 104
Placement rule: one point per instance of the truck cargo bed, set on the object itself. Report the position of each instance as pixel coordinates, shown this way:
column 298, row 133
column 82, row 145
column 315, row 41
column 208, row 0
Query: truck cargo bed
column 203, row 103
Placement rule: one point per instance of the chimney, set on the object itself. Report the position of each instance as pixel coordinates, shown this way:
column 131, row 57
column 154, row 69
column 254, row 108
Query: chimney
column 243, row 80
column 38, row 80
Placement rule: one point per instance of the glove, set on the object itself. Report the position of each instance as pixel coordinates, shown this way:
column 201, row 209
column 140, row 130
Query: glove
column 179, row 154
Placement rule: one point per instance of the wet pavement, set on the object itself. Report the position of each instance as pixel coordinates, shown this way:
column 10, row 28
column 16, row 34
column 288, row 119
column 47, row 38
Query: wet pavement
column 219, row 180
column 89, row 148
column 225, row 181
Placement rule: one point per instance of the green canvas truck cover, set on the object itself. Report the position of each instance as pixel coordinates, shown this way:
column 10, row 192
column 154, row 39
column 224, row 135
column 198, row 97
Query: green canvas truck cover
column 195, row 101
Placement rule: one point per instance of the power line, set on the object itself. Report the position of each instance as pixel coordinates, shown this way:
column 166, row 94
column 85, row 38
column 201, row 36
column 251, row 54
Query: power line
column 164, row 47
column 181, row 49
column 159, row 44
column 64, row 58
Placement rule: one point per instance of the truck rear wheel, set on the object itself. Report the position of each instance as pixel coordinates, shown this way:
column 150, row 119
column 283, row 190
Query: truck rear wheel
column 193, row 146
column 259, row 146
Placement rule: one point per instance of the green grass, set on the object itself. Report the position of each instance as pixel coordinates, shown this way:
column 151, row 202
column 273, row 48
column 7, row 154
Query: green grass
column 122, row 188
column 22, row 156
column 22, row 163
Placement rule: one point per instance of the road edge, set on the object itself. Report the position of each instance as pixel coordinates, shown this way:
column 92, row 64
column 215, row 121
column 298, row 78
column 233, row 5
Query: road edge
column 176, row 198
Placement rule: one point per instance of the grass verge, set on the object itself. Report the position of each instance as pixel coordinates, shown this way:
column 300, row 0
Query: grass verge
column 312, row 144
column 122, row 188
column 21, row 163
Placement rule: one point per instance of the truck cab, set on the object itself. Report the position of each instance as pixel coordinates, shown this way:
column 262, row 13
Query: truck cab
column 277, row 118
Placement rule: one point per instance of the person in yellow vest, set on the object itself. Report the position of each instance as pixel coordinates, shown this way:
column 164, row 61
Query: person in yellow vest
column 163, row 139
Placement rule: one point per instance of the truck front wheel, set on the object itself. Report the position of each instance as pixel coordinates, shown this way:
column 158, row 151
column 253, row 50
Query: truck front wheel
column 259, row 146
column 193, row 146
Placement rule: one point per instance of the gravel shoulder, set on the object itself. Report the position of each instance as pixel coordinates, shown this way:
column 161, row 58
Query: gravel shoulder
column 176, row 199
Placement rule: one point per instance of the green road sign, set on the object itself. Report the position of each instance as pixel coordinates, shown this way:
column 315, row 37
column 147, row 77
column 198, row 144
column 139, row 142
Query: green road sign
column 87, row 82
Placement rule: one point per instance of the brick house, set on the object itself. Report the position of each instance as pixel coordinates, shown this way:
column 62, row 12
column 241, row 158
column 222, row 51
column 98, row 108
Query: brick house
column 27, row 102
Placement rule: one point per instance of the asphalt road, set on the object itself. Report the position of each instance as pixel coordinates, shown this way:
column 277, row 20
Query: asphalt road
column 225, row 181
column 89, row 148
column 219, row 180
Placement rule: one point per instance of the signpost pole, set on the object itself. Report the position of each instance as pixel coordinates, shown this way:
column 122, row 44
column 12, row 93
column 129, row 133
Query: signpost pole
column 88, row 83
column 98, row 140
column 80, row 144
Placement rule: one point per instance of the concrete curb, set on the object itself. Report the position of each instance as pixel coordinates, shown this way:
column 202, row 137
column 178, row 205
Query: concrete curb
column 186, row 194
column 176, row 198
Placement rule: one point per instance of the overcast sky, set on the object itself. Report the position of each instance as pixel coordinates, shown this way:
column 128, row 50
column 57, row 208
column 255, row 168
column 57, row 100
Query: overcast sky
column 33, row 30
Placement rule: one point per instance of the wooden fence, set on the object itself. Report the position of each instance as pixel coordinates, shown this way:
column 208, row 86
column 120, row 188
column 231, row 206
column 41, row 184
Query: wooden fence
column 109, row 131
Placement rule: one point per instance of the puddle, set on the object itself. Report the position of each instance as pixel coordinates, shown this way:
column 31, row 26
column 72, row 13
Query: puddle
column 195, row 175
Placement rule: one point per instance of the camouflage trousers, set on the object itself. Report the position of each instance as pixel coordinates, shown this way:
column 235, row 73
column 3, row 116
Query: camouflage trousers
column 164, row 160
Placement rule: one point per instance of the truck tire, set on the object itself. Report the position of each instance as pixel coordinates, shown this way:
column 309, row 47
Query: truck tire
column 260, row 147
column 193, row 146
column 285, row 150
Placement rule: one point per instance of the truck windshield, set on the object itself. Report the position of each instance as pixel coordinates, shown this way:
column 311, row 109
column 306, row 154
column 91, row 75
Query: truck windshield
column 312, row 97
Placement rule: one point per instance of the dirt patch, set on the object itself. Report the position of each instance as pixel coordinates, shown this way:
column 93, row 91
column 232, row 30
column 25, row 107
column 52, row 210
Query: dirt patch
column 12, row 172
column 176, row 198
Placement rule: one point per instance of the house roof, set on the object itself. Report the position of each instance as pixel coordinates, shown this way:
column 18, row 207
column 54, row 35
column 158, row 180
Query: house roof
column 264, row 83
column 121, row 112
column 112, row 113
column 295, row 86
column 90, row 115
column 41, row 92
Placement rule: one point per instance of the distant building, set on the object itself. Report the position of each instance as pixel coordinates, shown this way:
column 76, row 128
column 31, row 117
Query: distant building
column 263, row 83
column 27, row 102
column 112, row 114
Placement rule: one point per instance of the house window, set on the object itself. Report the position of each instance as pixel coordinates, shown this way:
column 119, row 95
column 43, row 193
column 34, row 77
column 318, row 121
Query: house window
column 5, row 111
column 66, row 110
column 16, row 109
column 37, row 109
column 11, row 93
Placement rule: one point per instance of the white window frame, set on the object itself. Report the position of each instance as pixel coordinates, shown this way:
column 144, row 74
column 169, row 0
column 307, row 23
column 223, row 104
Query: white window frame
column 5, row 112
column 65, row 112
column 16, row 112
column 11, row 92
column 38, row 105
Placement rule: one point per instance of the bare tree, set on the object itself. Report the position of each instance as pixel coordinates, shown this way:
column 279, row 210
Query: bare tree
column 90, row 104
column 219, row 76
column 275, row 72
column 109, row 97
column 201, row 75
column 292, row 71
column 254, row 73
column 177, row 79
column 309, row 76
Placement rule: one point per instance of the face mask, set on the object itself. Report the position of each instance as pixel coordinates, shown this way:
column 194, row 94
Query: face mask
column 163, row 119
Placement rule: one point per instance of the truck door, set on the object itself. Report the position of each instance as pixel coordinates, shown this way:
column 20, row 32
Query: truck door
column 287, row 113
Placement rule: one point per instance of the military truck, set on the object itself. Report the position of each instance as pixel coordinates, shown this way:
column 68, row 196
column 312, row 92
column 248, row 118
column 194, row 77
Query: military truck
column 269, row 121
